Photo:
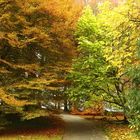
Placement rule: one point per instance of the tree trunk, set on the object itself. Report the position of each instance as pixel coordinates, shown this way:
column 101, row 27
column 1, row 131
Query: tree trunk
column 58, row 105
column 65, row 105
column 125, row 120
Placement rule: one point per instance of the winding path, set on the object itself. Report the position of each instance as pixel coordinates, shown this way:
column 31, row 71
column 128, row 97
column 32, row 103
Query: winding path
column 78, row 128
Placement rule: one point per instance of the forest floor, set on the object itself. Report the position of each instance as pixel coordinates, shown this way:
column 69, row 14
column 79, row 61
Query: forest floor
column 89, row 127
column 67, row 127
column 41, row 128
column 114, row 126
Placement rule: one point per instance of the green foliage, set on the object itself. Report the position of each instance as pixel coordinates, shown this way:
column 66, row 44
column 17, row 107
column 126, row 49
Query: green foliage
column 89, row 65
column 87, row 24
column 134, row 95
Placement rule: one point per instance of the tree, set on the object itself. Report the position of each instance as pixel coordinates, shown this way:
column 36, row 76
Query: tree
column 36, row 46
column 90, row 64
column 121, row 34
column 103, row 72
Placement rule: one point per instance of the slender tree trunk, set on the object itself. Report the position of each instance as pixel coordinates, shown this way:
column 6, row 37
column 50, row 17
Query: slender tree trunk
column 58, row 105
column 66, row 105
column 55, row 104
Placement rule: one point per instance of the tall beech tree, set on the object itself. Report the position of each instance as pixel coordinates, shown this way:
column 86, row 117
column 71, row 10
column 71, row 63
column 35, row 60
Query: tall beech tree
column 36, row 47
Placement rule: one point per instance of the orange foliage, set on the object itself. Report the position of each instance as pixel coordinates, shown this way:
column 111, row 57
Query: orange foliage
column 36, row 45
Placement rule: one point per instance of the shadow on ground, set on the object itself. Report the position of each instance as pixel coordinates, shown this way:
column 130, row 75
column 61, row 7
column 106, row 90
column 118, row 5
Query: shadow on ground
column 41, row 125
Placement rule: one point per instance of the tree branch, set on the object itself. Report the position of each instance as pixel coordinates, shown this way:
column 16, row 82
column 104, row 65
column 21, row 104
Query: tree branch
column 114, row 102
column 14, row 67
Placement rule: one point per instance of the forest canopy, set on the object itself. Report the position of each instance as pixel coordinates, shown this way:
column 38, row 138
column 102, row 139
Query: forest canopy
column 36, row 47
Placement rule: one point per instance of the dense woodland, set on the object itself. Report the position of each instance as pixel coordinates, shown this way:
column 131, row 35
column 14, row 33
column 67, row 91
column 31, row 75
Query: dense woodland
column 37, row 47
column 71, row 52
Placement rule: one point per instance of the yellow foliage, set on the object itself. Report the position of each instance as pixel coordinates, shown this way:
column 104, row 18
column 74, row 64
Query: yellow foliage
column 40, row 84
column 4, row 71
column 26, row 67
column 120, row 132
column 123, row 33
column 10, row 100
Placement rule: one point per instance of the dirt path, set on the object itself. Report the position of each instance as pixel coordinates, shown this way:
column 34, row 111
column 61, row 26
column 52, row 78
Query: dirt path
column 78, row 128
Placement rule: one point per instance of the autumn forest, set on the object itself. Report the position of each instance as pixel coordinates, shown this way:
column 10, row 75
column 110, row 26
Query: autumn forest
column 69, row 58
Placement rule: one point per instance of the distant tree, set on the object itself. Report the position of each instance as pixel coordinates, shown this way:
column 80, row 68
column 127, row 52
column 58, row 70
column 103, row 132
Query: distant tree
column 90, row 64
